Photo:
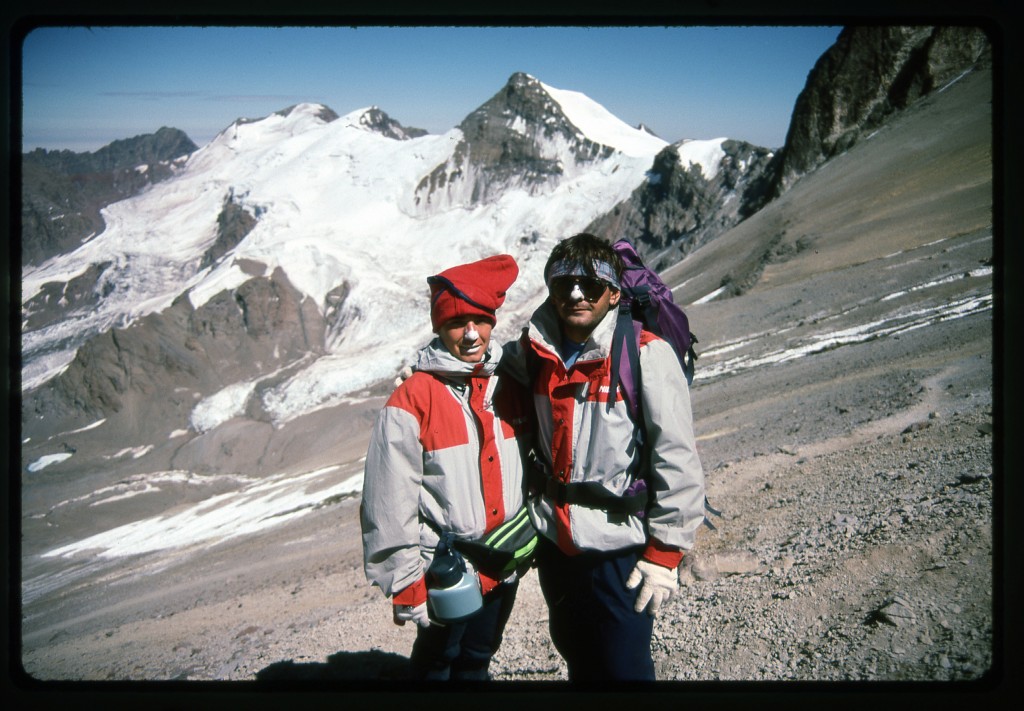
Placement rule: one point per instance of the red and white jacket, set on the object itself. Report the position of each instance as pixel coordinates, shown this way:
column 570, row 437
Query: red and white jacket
column 446, row 454
column 582, row 438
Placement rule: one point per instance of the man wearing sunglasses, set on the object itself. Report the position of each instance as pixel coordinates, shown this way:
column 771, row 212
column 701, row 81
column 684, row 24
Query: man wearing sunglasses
column 616, row 501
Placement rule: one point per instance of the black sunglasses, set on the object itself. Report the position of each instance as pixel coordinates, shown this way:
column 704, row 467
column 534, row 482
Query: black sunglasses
column 562, row 287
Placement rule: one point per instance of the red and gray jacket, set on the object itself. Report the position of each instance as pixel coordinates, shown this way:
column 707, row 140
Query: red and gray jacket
column 446, row 454
column 586, row 435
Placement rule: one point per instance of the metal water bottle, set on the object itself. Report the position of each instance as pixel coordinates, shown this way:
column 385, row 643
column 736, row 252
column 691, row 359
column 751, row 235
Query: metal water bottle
column 453, row 592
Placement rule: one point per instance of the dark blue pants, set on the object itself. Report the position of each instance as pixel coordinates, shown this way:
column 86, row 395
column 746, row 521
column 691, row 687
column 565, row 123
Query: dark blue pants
column 593, row 624
column 462, row 651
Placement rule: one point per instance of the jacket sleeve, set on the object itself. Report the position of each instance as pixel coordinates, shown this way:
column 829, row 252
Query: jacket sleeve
column 389, row 513
column 514, row 361
column 677, row 477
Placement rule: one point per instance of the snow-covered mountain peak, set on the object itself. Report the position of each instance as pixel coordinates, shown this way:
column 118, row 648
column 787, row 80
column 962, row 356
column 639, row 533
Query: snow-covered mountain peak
column 308, row 109
column 374, row 120
column 530, row 137
column 526, row 100
column 600, row 125
column 245, row 133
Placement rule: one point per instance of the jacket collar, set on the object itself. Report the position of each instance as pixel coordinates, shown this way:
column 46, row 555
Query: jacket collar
column 436, row 359
column 545, row 331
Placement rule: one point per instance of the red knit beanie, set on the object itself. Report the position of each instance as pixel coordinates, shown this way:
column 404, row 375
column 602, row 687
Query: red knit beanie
column 474, row 289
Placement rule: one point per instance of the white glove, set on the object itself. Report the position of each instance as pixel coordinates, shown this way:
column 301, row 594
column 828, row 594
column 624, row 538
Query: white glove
column 659, row 584
column 418, row 614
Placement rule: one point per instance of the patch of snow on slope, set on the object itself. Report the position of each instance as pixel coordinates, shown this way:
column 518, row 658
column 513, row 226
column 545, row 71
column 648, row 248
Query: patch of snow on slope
column 265, row 504
column 707, row 154
column 47, row 460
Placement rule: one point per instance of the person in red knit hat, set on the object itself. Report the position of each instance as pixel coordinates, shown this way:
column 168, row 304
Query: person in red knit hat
column 446, row 460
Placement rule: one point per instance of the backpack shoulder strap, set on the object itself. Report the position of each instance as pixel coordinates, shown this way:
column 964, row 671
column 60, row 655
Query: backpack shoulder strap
column 625, row 365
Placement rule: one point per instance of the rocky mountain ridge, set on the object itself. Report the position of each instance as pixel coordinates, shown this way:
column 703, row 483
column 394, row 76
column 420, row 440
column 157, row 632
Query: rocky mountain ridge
column 678, row 209
column 62, row 192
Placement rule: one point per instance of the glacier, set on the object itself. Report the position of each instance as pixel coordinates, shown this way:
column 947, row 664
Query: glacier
column 335, row 204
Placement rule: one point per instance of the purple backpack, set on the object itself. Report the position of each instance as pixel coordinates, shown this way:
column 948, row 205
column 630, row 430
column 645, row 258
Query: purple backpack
column 645, row 303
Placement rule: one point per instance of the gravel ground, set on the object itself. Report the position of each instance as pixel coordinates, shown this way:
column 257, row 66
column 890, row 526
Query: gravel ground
column 863, row 555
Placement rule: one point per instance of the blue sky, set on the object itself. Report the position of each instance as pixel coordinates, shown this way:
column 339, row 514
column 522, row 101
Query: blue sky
column 85, row 87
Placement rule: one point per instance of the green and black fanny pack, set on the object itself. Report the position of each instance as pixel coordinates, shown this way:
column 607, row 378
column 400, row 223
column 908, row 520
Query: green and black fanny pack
column 507, row 548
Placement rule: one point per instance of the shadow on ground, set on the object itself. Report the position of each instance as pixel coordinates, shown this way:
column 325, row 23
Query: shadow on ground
column 374, row 665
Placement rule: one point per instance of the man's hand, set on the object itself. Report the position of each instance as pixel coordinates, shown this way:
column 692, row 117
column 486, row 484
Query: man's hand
column 418, row 614
column 659, row 584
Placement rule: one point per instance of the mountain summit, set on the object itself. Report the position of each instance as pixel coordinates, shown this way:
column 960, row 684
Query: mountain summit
column 528, row 137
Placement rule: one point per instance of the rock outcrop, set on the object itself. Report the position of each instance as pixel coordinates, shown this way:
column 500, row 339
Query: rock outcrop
column 866, row 76
column 153, row 372
column 519, row 138
column 378, row 121
column 678, row 209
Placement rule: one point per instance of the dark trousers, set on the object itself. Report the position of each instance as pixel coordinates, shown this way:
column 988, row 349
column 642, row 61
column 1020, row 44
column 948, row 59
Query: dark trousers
column 590, row 609
column 462, row 651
